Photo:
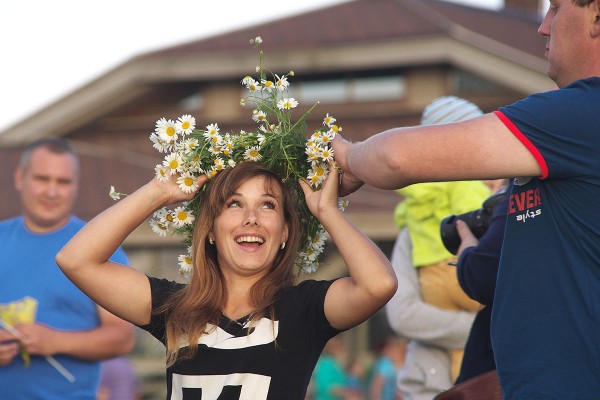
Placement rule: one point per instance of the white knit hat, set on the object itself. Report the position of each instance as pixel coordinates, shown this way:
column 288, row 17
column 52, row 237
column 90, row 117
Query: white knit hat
column 449, row 109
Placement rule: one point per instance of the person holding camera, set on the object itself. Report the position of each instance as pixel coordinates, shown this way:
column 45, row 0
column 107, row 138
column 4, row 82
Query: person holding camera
column 422, row 211
column 477, row 269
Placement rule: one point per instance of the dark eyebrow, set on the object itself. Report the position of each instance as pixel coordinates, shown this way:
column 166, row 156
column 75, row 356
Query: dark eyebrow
column 263, row 195
column 44, row 176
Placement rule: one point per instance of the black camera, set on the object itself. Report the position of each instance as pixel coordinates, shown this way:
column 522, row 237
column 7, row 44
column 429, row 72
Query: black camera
column 477, row 221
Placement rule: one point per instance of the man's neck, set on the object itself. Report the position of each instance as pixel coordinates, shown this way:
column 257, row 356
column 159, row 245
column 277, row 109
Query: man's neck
column 36, row 227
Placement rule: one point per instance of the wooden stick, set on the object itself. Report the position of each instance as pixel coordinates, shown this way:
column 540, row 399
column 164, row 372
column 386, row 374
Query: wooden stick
column 58, row 366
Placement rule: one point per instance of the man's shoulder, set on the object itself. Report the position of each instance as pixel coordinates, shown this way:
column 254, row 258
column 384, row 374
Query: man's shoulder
column 11, row 223
column 76, row 221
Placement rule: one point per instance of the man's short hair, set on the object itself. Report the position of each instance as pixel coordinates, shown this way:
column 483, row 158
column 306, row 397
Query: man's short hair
column 56, row 145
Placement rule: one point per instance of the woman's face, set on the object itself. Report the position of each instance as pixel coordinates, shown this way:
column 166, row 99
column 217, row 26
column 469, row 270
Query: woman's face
column 250, row 229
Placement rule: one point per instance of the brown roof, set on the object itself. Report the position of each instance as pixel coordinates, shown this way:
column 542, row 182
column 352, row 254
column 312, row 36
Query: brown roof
column 364, row 21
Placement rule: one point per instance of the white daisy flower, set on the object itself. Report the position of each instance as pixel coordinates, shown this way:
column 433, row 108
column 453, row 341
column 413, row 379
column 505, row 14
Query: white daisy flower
column 252, row 154
column 253, row 85
column 334, row 129
column 287, row 103
column 159, row 228
column 228, row 142
column 182, row 216
column 187, row 183
column 343, row 204
column 227, row 147
column 231, row 162
column 314, row 179
column 260, row 138
column 310, row 254
column 114, row 194
column 268, row 85
column 321, row 170
column 258, row 40
column 194, row 164
column 259, row 116
column 212, row 172
column 317, row 175
column 161, row 222
column 185, row 272
column 163, row 215
column 166, row 130
column 326, row 137
column 185, row 262
column 246, row 80
column 189, row 145
column 309, row 268
column 215, row 150
column 174, row 162
column 214, row 140
column 327, row 154
column 281, row 83
column 161, row 172
column 219, row 164
column 328, row 120
column 318, row 241
column 185, row 124
column 313, row 154
column 211, row 130
column 160, row 144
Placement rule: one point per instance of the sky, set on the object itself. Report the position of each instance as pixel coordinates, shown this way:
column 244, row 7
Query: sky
column 51, row 48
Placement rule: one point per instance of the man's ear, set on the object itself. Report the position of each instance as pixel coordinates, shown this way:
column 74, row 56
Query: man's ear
column 18, row 179
column 595, row 27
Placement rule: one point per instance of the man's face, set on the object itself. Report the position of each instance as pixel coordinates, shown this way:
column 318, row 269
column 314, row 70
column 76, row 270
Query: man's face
column 568, row 29
column 48, row 188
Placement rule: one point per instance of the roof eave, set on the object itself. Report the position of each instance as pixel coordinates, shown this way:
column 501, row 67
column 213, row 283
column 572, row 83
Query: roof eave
column 466, row 50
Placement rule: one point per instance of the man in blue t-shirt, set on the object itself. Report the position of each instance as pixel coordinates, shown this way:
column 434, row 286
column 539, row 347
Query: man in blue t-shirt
column 546, row 315
column 54, row 335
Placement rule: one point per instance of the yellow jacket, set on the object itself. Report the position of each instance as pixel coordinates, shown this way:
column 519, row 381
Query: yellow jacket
column 423, row 208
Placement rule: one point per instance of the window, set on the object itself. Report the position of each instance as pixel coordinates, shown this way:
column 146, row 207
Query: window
column 379, row 88
column 361, row 89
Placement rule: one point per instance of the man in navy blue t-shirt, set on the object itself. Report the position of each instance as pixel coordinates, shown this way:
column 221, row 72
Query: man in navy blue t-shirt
column 546, row 316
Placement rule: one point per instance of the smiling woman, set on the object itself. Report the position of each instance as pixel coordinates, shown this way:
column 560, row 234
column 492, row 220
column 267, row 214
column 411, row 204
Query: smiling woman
column 255, row 210
column 241, row 327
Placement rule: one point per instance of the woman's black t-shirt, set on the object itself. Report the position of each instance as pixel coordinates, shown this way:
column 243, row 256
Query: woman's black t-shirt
column 274, row 361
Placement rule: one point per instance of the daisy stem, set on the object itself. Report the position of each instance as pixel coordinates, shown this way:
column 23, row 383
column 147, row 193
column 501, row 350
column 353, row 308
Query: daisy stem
column 303, row 117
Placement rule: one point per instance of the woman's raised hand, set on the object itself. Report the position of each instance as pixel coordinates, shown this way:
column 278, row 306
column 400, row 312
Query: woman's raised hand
column 172, row 192
column 324, row 199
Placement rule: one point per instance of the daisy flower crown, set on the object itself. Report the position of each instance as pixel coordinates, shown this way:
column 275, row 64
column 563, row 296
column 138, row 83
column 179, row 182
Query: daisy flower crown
column 281, row 144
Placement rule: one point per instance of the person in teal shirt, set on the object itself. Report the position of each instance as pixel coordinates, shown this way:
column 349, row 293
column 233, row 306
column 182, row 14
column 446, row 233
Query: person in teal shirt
column 330, row 379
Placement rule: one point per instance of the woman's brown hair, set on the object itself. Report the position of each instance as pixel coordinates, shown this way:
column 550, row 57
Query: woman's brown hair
column 190, row 310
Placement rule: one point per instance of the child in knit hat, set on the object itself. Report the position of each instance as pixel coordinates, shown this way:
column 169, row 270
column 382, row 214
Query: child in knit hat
column 422, row 210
